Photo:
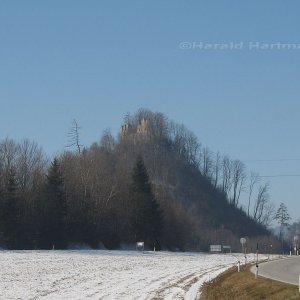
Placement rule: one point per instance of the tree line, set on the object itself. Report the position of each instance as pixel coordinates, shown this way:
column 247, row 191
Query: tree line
column 53, row 219
column 154, row 182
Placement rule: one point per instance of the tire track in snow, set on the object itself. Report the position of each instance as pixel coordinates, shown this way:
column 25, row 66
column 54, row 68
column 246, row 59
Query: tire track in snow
column 185, row 287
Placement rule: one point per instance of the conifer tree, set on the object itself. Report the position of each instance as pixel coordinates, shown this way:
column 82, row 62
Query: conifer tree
column 282, row 216
column 148, row 218
column 54, row 210
column 11, row 213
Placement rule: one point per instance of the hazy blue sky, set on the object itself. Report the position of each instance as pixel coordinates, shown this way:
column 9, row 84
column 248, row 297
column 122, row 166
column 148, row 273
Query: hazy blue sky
column 96, row 60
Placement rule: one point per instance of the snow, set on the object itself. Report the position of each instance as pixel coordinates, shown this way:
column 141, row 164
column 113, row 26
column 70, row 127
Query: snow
column 109, row 274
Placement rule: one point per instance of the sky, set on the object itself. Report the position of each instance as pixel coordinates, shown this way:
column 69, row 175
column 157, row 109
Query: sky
column 222, row 68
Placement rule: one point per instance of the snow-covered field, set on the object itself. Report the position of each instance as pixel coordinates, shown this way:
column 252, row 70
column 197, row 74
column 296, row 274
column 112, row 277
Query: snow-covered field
column 108, row 274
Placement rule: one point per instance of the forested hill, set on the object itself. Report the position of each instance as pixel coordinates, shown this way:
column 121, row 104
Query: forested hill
column 154, row 182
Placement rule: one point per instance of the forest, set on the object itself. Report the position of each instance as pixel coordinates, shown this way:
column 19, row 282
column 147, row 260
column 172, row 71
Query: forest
column 154, row 182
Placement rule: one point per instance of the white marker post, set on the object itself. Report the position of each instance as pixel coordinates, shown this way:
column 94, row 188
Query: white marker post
column 238, row 266
column 256, row 274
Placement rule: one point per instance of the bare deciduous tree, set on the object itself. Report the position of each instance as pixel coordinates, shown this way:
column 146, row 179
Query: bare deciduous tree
column 31, row 160
column 226, row 175
column 254, row 179
column 269, row 214
column 238, row 180
column 261, row 201
column 74, row 136
column 107, row 141
column 193, row 148
column 216, row 169
column 8, row 153
column 207, row 162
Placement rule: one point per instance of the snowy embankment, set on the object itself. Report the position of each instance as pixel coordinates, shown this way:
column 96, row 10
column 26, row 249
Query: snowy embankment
column 109, row 274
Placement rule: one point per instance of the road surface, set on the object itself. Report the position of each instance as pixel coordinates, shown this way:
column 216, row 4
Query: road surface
column 285, row 270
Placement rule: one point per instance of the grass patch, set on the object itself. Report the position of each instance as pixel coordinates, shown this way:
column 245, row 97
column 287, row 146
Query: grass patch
column 232, row 285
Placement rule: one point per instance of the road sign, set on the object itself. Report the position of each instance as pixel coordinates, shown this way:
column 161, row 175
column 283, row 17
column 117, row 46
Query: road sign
column 215, row 248
column 243, row 241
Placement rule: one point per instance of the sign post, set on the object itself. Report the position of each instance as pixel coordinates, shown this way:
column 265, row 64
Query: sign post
column 140, row 246
column 243, row 241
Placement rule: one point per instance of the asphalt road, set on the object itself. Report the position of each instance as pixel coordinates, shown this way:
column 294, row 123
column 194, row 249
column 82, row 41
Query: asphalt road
column 285, row 270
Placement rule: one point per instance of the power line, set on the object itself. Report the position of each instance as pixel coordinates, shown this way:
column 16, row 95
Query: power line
column 280, row 175
column 272, row 160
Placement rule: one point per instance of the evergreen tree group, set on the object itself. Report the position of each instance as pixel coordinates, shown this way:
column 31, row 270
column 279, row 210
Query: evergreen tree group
column 53, row 210
column 11, row 213
column 148, row 218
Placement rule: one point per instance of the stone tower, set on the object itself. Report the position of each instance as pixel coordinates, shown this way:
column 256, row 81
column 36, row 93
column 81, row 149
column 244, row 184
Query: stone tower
column 143, row 127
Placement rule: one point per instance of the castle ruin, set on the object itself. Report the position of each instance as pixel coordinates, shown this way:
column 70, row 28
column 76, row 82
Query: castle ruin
column 141, row 129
